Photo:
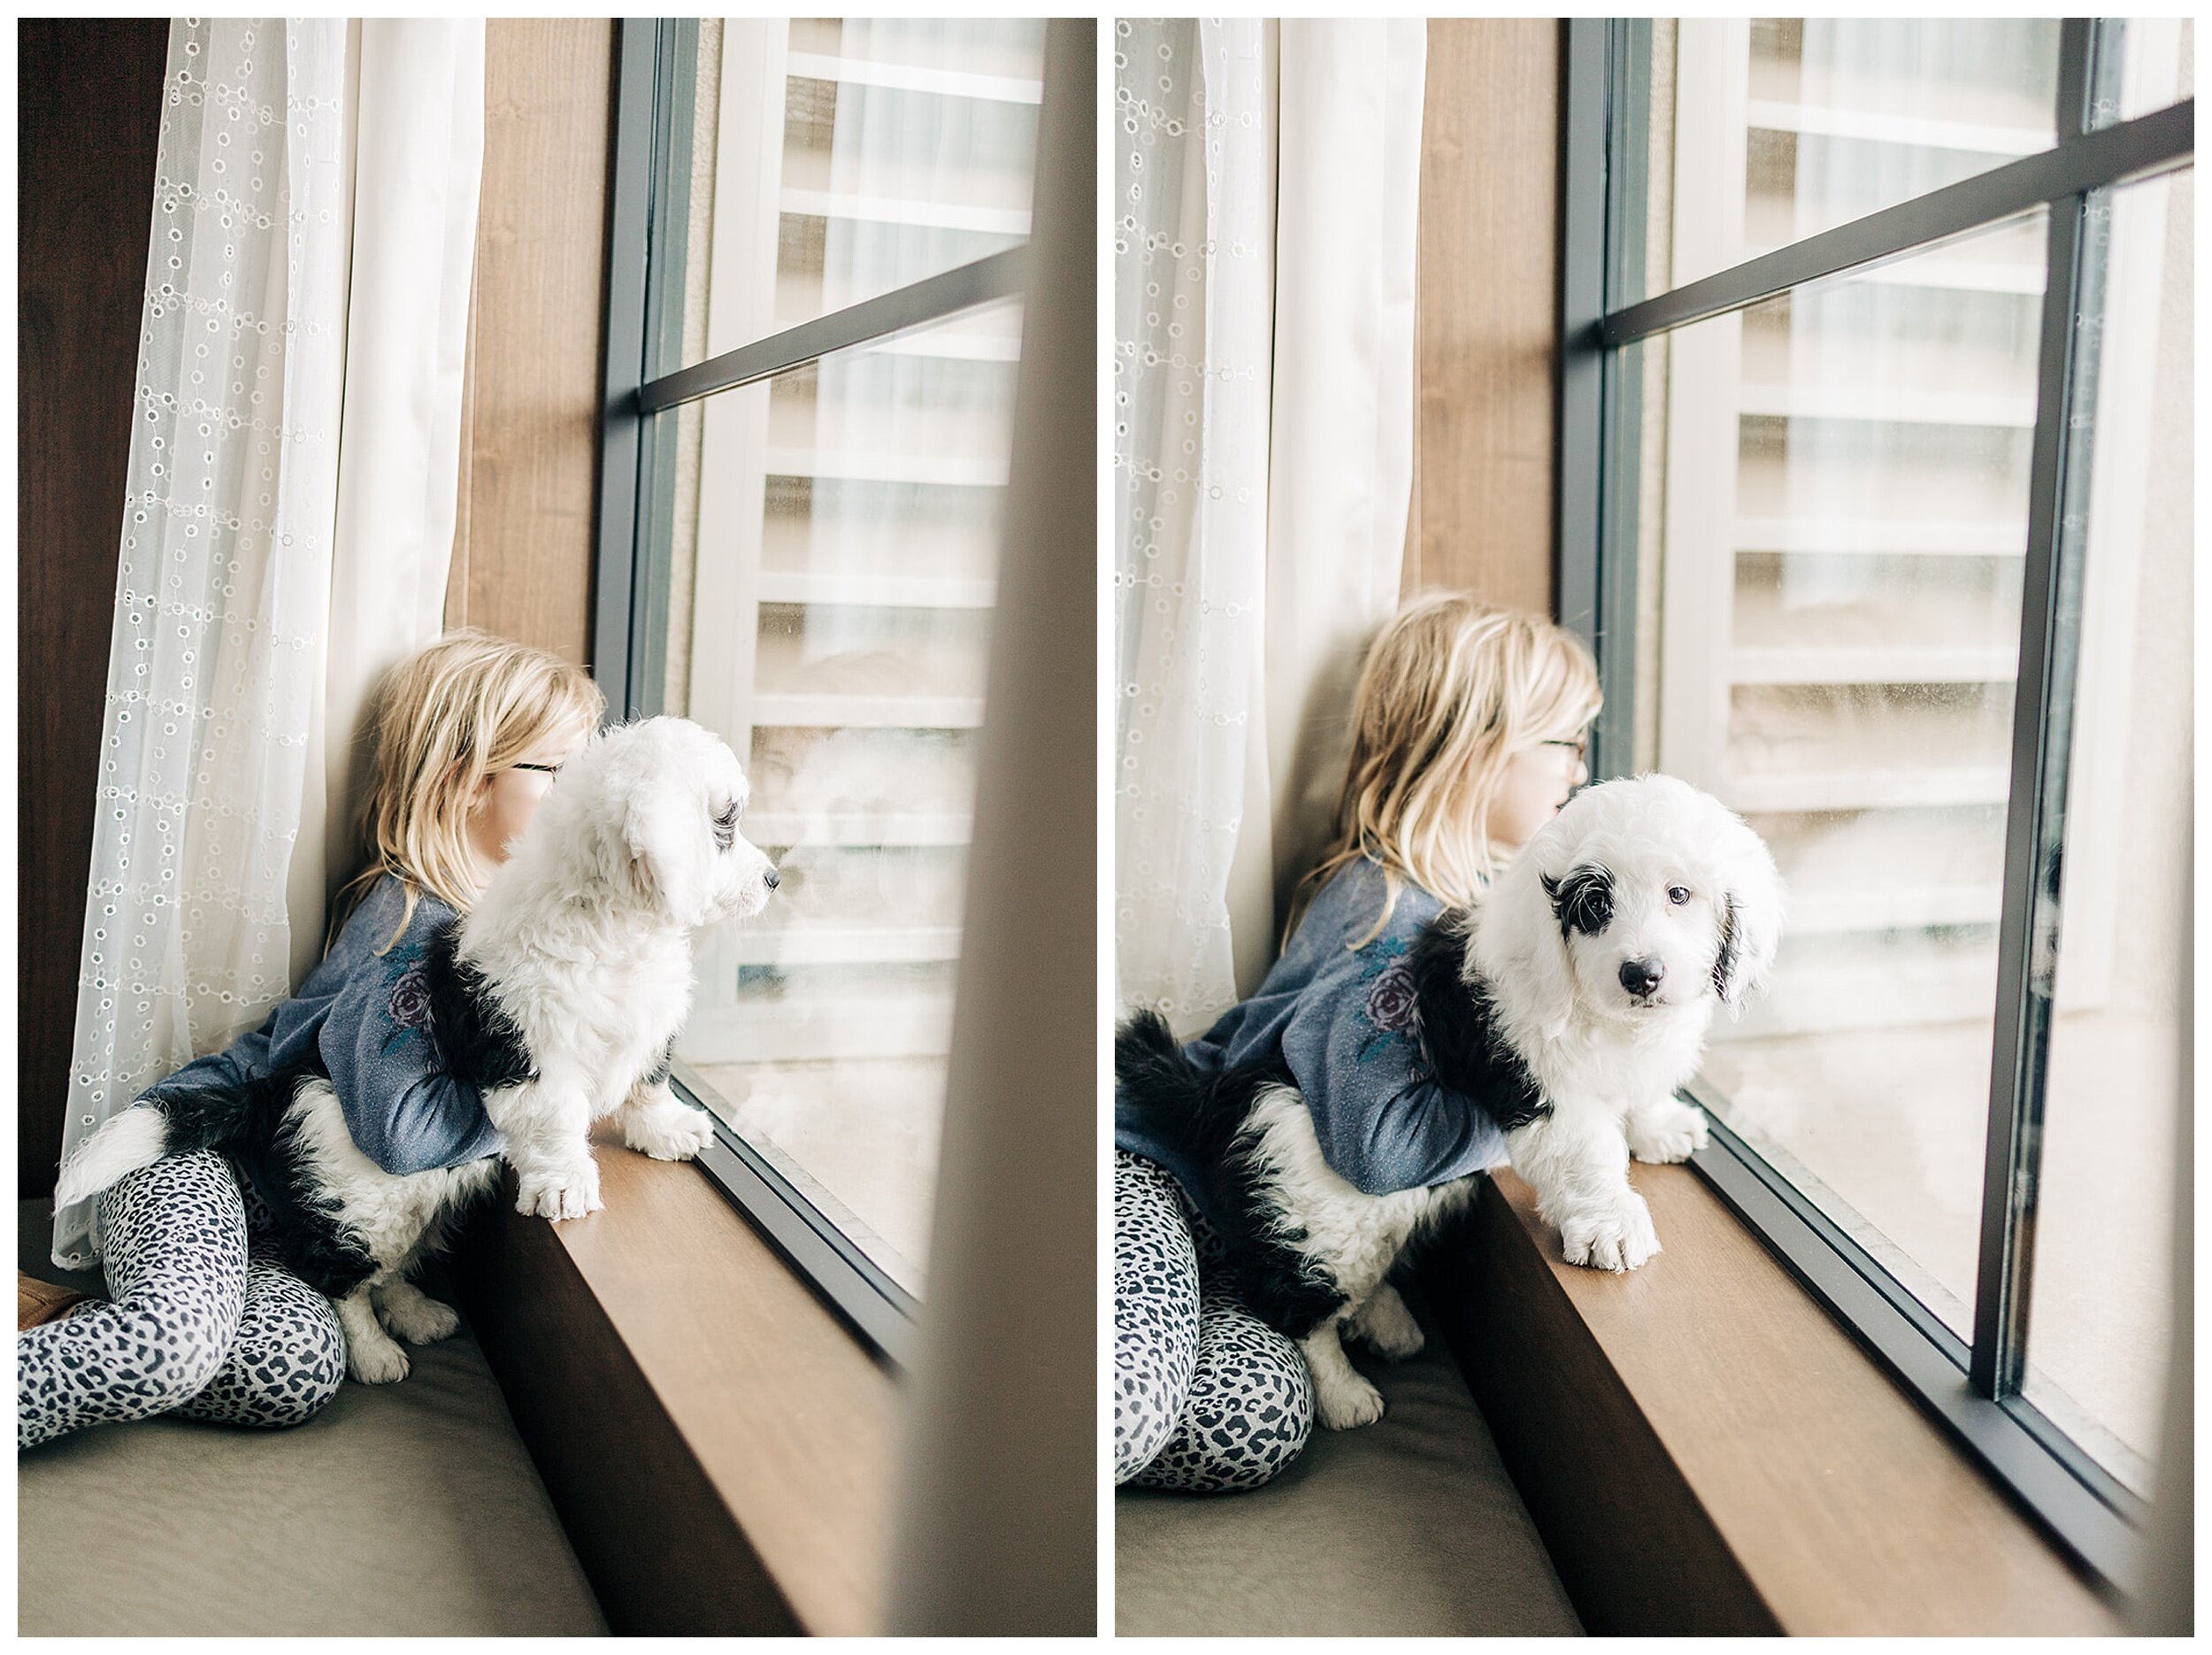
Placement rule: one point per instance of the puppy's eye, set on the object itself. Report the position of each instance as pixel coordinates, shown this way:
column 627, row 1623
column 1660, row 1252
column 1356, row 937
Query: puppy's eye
column 1678, row 894
column 726, row 828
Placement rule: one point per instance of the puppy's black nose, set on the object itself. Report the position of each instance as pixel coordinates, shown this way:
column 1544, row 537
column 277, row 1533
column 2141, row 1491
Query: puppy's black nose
column 1639, row 977
column 770, row 877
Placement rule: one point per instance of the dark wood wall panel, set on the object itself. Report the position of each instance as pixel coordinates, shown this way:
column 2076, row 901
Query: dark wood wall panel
column 1489, row 327
column 89, row 114
column 522, row 556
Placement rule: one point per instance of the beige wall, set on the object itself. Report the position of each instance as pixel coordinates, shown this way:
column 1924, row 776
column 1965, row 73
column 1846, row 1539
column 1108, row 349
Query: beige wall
column 522, row 552
column 1488, row 328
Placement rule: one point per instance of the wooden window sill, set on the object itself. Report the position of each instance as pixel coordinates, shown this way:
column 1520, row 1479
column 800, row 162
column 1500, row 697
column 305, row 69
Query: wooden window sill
column 718, row 1445
column 1704, row 1448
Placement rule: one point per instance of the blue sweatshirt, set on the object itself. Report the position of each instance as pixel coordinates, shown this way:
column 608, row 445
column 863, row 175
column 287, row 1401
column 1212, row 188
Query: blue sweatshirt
column 1342, row 1019
column 363, row 1018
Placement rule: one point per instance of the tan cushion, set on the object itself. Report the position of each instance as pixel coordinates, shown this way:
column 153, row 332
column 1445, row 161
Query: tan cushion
column 1408, row 1527
column 411, row 1508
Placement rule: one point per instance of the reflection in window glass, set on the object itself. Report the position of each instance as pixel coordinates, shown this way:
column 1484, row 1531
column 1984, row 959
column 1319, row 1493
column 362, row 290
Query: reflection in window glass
column 1819, row 121
column 2158, row 58
column 834, row 570
column 2101, row 1307
column 838, row 628
column 1846, row 472
column 851, row 156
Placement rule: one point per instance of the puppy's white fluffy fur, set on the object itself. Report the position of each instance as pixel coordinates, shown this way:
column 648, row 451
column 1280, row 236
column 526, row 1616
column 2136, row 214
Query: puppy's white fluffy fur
column 1607, row 1061
column 585, row 939
column 1360, row 1236
column 400, row 1218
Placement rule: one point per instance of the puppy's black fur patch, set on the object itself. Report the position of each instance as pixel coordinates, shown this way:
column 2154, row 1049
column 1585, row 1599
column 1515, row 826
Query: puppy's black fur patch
column 478, row 1040
column 1204, row 1118
column 1460, row 1035
column 1582, row 900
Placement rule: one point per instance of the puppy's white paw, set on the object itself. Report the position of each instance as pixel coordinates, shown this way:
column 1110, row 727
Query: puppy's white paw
column 1387, row 1325
column 1615, row 1235
column 563, row 1192
column 419, row 1319
column 665, row 1129
column 374, row 1360
column 1346, row 1402
column 1666, row 1131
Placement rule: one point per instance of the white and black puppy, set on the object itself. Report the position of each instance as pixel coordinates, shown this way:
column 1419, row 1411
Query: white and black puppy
column 1569, row 1007
column 559, row 996
column 573, row 974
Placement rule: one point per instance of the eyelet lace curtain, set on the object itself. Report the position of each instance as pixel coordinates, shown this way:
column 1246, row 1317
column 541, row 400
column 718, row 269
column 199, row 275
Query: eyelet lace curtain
column 1194, row 304
column 231, row 691
column 1266, row 182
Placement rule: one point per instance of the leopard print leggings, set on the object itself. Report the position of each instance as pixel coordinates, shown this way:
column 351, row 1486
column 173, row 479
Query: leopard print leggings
column 1207, row 1398
column 195, row 1324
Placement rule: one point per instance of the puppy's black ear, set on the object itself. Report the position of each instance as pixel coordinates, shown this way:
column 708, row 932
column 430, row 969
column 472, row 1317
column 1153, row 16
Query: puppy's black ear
column 1727, row 958
column 1751, row 905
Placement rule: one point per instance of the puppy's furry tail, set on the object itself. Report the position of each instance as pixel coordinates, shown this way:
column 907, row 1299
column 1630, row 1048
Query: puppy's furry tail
column 1206, row 1119
column 1179, row 1101
column 149, row 1129
column 1149, row 1064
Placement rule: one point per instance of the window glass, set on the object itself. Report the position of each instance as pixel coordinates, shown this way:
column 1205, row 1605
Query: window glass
column 837, row 626
column 1814, row 121
column 1847, row 471
column 2101, row 1308
column 832, row 566
column 849, row 157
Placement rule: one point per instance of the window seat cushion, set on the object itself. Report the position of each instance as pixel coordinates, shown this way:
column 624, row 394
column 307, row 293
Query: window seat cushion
column 1408, row 1527
column 409, row 1508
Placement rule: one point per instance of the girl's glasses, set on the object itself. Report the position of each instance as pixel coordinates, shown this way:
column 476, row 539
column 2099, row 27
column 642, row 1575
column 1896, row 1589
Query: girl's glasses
column 1581, row 745
column 543, row 770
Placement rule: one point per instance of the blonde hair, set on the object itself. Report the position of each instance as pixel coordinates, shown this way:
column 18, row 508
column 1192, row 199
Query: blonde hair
column 449, row 716
column 1451, row 692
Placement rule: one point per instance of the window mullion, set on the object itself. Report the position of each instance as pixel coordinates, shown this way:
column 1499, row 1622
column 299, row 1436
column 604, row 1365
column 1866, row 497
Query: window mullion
column 2043, row 699
column 1582, row 299
column 1621, row 390
column 676, row 60
column 999, row 275
column 630, row 189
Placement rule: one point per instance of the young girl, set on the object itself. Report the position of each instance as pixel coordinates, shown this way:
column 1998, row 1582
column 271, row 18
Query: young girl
column 1468, row 735
column 471, row 730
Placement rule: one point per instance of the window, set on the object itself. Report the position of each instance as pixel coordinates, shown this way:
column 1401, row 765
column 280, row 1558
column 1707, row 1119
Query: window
column 800, row 552
column 1894, row 557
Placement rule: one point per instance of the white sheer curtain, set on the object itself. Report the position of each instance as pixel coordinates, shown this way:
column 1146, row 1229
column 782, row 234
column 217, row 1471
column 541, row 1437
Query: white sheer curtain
column 1194, row 304
column 420, row 121
column 1263, row 426
column 263, row 582
column 1340, row 477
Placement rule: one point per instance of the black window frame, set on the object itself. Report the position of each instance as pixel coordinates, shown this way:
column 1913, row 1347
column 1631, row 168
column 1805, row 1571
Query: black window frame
column 646, row 380
column 1972, row 1389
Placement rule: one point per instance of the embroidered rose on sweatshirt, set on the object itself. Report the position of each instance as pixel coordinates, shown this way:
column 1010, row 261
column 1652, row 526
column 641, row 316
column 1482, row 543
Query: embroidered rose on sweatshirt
column 1390, row 1001
column 410, row 1005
